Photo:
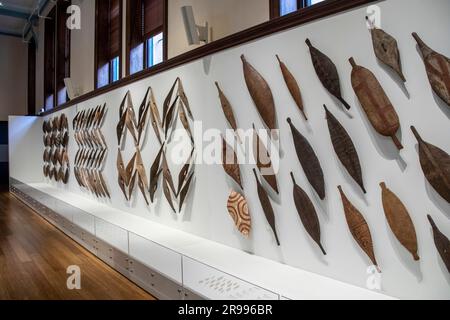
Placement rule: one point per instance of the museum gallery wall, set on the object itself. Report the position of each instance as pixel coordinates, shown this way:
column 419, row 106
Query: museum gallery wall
column 355, row 122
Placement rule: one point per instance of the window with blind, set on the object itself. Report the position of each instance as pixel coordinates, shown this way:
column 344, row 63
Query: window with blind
column 49, row 61
column 284, row 7
column 108, row 35
column 62, row 51
column 146, row 38
column 56, row 55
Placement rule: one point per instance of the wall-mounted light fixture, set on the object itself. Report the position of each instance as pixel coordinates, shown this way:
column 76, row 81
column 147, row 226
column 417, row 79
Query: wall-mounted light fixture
column 195, row 33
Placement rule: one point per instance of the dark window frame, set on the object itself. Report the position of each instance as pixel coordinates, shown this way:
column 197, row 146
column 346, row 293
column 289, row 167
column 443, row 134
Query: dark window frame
column 31, row 91
column 96, row 46
column 275, row 7
column 49, row 59
column 163, row 29
column 63, row 47
column 58, row 42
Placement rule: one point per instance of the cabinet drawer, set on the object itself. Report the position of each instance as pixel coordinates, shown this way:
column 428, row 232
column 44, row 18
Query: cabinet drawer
column 41, row 209
column 140, row 274
column 64, row 225
column 119, row 261
column 154, row 282
column 165, row 289
column 104, row 251
column 88, row 241
column 76, row 232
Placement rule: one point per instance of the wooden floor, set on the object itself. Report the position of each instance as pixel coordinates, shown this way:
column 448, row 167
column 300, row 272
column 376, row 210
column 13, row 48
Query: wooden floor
column 34, row 257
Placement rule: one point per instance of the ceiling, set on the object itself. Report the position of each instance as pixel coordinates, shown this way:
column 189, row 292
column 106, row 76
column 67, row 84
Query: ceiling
column 14, row 15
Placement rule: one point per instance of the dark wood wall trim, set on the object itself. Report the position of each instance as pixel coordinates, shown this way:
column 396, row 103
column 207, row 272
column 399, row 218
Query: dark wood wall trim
column 303, row 16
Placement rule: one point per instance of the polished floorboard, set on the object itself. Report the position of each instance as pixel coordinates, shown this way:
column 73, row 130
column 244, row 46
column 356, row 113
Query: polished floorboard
column 34, row 257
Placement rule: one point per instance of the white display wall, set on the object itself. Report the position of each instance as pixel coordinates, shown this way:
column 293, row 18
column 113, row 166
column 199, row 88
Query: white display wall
column 25, row 148
column 341, row 37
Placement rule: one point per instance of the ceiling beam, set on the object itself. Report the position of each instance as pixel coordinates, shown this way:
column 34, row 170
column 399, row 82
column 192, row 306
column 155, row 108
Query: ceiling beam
column 42, row 4
column 9, row 33
column 14, row 13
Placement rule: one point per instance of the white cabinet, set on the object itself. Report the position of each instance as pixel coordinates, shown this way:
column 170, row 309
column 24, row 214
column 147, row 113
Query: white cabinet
column 214, row 284
column 168, row 262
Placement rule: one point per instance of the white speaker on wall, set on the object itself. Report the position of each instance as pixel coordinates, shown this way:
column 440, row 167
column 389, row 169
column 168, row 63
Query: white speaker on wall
column 72, row 91
column 195, row 33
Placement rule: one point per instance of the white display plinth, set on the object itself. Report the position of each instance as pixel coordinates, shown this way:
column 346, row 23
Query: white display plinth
column 203, row 266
